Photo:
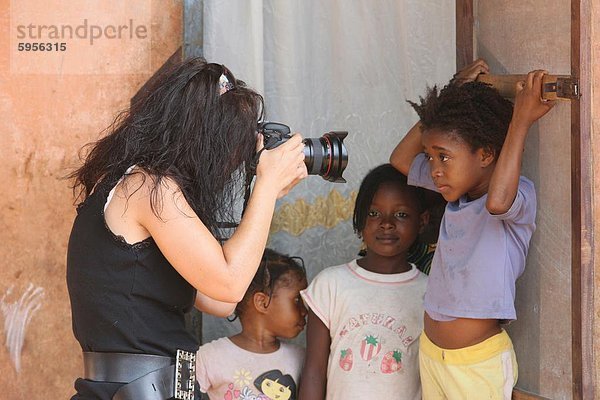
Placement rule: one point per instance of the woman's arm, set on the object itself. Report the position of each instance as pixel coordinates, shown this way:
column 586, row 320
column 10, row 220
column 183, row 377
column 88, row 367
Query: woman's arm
column 222, row 273
column 313, row 382
column 214, row 307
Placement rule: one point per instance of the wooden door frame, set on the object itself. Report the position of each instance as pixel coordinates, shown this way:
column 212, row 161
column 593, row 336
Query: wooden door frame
column 582, row 183
column 582, row 186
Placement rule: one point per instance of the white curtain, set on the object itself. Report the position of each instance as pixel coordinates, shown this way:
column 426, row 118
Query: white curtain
column 326, row 65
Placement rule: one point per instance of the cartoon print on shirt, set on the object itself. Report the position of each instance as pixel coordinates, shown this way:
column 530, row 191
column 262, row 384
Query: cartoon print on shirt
column 231, row 393
column 248, row 394
column 242, row 377
column 276, row 386
column 272, row 385
column 346, row 359
column 392, row 362
column 369, row 347
column 377, row 321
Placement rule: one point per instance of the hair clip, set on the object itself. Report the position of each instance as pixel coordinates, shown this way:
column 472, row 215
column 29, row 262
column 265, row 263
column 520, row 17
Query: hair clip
column 224, row 85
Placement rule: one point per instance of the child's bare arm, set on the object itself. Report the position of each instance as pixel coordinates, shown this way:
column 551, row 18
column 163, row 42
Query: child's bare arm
column 410, row 145
column 529, row 107
column 405, row 152
column 313, row 382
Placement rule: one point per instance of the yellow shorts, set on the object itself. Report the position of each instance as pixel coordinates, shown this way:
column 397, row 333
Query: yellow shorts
column 487, row 370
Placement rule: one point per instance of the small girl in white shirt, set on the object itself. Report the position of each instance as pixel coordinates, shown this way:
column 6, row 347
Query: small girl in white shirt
column 255, row 364
column 365, row 316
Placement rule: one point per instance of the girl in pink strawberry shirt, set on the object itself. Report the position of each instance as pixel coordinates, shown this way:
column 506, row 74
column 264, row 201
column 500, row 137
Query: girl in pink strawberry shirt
column 255, row 364
column 365, row 316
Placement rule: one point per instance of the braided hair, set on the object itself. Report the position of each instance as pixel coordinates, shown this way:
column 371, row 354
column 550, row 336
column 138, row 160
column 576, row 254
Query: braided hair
column 275, row 270
column 473, row 111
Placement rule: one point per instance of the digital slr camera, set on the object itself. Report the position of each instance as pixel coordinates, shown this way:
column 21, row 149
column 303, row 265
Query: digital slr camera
column 325, row 156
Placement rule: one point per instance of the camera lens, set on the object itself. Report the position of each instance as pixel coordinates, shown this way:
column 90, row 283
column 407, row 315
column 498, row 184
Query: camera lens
column 326, row 156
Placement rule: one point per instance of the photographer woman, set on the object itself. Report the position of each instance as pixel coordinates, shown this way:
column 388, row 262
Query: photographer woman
column 143, row 247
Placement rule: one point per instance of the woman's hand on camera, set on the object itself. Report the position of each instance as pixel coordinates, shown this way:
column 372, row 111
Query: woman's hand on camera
column 283, row 167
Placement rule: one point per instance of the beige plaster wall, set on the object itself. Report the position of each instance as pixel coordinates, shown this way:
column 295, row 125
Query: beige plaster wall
column 51, row 105
column 515, row 37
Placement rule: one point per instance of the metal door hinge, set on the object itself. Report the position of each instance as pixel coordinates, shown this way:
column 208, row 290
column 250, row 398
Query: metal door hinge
column 555, row 87
column 566, row 87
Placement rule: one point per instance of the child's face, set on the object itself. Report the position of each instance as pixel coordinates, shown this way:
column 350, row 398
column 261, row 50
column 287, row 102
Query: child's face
column 393, row 221
column 456, row 169
column 286, row 311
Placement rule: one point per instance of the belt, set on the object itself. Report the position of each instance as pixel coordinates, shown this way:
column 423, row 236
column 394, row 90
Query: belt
column 144, row 376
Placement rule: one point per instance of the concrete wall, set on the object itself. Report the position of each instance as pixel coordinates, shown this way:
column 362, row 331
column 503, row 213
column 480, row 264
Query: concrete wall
column 51, row 104
column 516, row 37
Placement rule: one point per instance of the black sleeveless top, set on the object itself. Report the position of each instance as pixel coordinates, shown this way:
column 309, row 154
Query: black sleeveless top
column 124, row 298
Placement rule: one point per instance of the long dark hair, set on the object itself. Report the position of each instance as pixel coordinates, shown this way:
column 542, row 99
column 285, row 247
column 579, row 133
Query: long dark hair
column 182, row 128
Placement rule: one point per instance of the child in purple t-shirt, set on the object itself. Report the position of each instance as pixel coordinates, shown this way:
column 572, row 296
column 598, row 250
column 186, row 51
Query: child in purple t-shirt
column 468, row 146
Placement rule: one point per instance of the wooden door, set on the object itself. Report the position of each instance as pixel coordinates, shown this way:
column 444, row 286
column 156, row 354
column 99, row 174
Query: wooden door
column 554, row 334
